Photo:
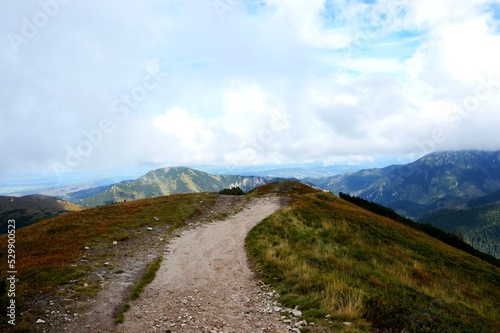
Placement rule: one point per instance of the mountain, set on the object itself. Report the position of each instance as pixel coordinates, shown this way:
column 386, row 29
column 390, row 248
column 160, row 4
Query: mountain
column 29, row 209
column 302, row 172
column 479, row 225
column 169, row 181
column 438, row 180
column 485, row 200
column 82, row 194
column 333, row 259
column 291, row 171
column 337, row 262
column 350, row 182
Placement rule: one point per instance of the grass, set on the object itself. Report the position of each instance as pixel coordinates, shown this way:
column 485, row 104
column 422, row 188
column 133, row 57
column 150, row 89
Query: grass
column 330, row 257
column 146, row 279
column 49, row 252
column 321, row 253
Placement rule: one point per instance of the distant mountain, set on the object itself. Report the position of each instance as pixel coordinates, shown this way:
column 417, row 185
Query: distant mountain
column 88, row 192
column 30, row 209
column 438, row 180
column 303, row 172
column 295, row 171
column 82, row 194
column 479, row 226
column 350, row 182
column 486, row 200
column 170, row 181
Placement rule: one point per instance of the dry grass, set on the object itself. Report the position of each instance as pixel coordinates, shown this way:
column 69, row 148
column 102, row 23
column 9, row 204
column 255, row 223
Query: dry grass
column 47, row 251
column 330, row 257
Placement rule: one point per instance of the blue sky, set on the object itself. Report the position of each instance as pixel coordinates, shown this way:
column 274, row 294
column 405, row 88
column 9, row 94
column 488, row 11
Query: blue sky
column 124, row 84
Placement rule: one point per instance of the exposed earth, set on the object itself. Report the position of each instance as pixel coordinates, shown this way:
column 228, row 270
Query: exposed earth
column 204, row 284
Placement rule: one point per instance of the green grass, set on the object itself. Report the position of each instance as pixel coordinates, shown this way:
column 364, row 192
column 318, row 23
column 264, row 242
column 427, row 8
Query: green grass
column 120, row 317
column 146, row 279
column 48, row 252
column 330, row 257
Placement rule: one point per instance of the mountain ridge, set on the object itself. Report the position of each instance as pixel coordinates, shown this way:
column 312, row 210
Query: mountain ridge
column 437, row 180
column 31, row 208
column 334, row 260
column 172, row 180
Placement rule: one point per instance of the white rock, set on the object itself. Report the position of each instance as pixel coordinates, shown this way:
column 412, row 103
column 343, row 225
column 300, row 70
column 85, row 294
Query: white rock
column 277, row 309
column 296, row 313
column 115, row 242
column 296, row 330
column 149, row 228
column 87, row 248
column 157, row 218
column 346, row 323
column 40, row 321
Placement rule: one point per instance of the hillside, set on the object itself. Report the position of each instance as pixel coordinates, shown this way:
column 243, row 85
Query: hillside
column 351, row 182
column 171, row 181
column 485, row 200
column 335, row 261
column 82, row 194
column 30, row 209
column 438, row 180
column 56, row 270
column 479, row 226
column 355, row 271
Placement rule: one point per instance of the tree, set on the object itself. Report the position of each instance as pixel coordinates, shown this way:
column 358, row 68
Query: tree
column 232, row 191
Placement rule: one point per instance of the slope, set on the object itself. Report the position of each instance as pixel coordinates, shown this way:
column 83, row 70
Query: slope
column 30, row 209
column 324, row 255
column 64, row 261
column 438, row 180
column 479, row 226
column 355, row 271
column 485, row 200
column 170, row 181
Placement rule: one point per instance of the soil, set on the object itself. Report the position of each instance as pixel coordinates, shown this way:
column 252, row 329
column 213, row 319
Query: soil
column 204, row 284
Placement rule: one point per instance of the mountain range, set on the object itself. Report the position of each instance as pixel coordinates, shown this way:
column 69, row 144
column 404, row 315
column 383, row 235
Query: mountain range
column 435, row 181
column 171, row 180
column 465, row 183
column 334, row 261
column 456, row 191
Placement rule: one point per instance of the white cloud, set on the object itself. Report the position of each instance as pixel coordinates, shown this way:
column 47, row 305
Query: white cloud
column 289, row 81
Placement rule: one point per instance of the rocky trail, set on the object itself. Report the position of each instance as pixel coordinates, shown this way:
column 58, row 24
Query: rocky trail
column 204, row 284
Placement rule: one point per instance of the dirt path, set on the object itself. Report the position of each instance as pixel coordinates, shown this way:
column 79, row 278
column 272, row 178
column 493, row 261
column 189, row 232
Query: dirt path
column 205, row 284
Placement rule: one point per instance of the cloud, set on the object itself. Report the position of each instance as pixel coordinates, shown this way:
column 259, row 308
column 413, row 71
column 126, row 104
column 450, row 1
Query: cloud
column 276, row 81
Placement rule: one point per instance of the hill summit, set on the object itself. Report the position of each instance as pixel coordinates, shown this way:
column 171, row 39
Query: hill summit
column 171, row 180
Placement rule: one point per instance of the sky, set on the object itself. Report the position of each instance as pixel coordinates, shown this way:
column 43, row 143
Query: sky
column 104, row 85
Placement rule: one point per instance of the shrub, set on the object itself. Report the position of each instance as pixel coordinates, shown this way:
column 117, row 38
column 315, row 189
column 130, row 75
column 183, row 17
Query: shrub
column 232, row 191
